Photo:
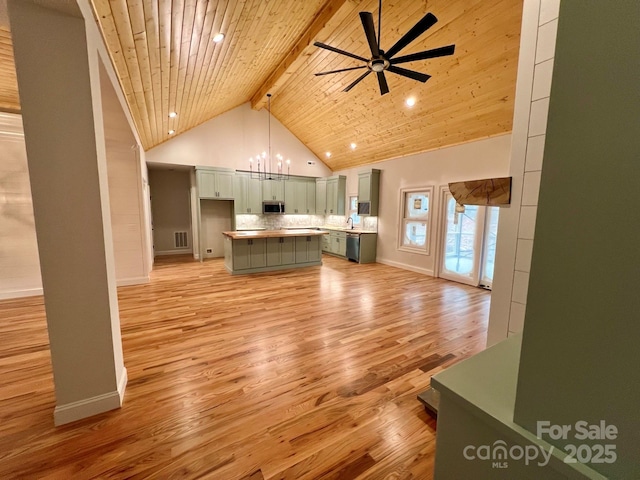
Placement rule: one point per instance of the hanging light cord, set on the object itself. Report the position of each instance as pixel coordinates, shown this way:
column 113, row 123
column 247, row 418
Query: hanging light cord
column 269, row 109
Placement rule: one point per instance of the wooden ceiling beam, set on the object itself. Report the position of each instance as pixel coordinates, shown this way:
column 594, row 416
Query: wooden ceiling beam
column 328, row 18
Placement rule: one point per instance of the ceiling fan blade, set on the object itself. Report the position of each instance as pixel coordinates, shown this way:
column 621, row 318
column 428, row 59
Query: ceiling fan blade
column 341, row 52
column 436, row 52
column 421, row 77
column 382, row 80
column 370, row 32
column 341, row 70
column 418, row 29
column 360, row 78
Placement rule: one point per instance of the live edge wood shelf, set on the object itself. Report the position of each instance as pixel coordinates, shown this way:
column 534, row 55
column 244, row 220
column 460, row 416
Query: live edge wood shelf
column 263, row 251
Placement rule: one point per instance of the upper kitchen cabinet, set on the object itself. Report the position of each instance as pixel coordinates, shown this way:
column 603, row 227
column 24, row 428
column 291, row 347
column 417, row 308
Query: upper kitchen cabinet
column 311, row 197
column 248, row 194
column 273, row 190
column 321, row 196
column 336, row 193
column 300, row 196
column 215, row 183
column 368, row 192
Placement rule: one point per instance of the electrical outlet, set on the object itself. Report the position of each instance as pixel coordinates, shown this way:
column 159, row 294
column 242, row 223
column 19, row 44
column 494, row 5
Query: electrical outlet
column 209, row 250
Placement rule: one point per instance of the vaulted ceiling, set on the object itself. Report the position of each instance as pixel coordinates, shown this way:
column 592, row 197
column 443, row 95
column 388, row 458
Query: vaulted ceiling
column 166, row 61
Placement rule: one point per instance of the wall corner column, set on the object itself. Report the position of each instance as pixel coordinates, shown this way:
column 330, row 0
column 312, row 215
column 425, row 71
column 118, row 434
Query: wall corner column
column 58, row 77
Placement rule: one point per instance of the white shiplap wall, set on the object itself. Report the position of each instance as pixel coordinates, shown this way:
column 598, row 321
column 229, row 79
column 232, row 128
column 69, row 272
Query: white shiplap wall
column 19, row 261
column 517, row 223
column 125, row 199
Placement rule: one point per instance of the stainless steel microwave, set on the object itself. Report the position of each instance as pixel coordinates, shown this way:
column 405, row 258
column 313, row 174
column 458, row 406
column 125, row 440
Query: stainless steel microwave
column 272, row 207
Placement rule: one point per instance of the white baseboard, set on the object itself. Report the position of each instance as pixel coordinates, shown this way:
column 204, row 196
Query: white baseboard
column 181, row 251
column 404, row 266
column 88, row 407
column 27, row 292
column 132, row 281
column 32, row 292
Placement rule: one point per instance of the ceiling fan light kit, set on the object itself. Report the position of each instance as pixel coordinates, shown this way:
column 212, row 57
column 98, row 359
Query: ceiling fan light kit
column 382, row 61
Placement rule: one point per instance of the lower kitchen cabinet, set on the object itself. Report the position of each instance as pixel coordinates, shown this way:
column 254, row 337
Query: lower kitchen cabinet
column 338, row 243
column 326, row 243
column 271, row 250
column 249, row 253
column 281, row 251
column 307, row 249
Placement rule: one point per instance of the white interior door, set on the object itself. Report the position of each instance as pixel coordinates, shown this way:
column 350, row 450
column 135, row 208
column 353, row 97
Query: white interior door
column 462, row 240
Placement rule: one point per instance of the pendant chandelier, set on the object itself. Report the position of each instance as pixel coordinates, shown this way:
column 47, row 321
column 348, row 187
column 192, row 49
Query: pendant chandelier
column 263, row 170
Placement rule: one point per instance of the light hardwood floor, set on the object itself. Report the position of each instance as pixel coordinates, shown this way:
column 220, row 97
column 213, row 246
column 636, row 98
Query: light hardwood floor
column 302, row 374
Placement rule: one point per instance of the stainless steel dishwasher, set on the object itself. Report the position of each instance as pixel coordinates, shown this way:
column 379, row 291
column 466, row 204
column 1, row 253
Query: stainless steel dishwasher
column 353, row 247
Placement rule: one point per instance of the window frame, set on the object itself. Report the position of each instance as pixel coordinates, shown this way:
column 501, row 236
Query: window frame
column 402, row 220
column 353, row 212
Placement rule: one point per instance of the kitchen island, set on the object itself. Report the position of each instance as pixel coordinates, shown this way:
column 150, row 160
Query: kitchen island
column 256, row 251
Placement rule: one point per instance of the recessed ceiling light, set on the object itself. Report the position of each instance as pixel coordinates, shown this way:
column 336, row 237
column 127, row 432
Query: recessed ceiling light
column 172, row 114
column 410, row 102
column 171, row 132
column 218, row 37
column 328, row 154
column 353, row 146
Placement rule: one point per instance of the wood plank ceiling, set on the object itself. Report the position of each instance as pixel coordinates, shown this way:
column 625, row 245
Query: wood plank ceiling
column 9, row 100
column 166, row 61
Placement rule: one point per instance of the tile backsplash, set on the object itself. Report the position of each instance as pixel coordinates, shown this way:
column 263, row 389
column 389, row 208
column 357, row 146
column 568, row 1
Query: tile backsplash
column 277, row 222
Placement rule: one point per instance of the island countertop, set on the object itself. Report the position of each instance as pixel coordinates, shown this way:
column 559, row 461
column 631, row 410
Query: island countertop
column 273, row 233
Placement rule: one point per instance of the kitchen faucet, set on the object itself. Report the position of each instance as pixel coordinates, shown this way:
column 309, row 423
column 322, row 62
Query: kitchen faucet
column 350, row 218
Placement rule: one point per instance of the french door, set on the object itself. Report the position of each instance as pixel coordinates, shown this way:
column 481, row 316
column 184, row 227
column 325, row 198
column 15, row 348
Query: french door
column 468, row 244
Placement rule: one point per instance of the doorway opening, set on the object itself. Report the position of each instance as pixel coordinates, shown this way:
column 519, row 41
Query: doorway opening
column 468, row 245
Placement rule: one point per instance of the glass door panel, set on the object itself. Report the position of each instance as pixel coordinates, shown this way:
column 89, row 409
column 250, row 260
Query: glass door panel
column 462, row 241
column 489, row 250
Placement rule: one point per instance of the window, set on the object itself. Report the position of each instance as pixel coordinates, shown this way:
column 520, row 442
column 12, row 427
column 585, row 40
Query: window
column 353, row 210
column 415, row 205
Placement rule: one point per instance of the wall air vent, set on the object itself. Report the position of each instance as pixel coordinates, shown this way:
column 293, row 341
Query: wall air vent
column 180, row 240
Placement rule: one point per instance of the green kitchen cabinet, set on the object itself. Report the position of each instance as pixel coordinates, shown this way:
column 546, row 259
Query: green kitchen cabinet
column 368, row 192
column 300, row 196
column 249, row 253
column 248, row 194
column 338, row 243
column 311, row 197
column 336, row 193
column 281, row 251
column 273, row 190
column 307, row 249
column 321, row 196
column 326, row 243
column 215, row 183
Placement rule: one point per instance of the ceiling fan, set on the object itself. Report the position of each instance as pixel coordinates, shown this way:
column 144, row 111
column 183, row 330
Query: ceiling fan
column 381, row 60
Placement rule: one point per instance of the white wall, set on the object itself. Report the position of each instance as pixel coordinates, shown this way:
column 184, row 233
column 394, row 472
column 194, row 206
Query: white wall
column 228, row 140
column 170, row 208
column 517, row 223
column 19, row 261
column 126, row 190
column 471, row 161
